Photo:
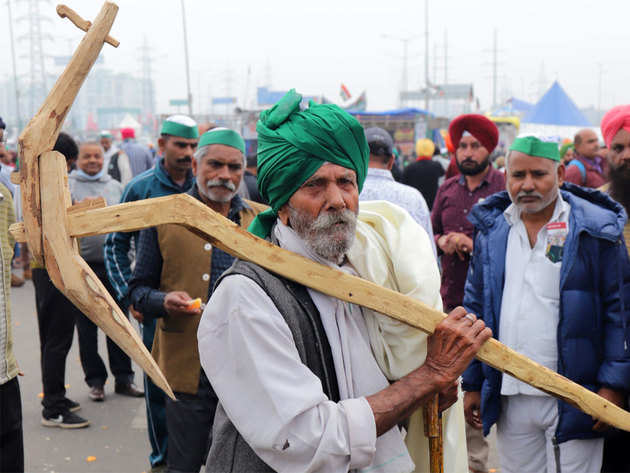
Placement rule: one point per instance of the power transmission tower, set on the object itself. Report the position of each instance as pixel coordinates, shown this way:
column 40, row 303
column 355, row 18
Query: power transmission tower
column 15, row 77
column 494, row 64
column 148, row 91
column 38, row 87
column 404, row 82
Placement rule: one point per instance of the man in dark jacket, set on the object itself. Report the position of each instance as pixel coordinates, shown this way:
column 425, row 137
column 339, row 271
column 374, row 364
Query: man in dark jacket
column 549, row 276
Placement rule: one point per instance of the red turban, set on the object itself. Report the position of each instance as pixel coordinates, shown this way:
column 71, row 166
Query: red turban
column 127, row 133
column 477, row 125
column 616, row 119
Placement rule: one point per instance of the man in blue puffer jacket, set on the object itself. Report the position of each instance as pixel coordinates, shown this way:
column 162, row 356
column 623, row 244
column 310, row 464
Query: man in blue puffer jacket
column 550, row 276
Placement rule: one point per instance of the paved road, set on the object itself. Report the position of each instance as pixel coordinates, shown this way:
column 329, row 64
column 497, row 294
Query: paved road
column 117, row 437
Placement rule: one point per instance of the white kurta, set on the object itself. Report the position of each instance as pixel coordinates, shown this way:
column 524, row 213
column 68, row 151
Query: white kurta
column 259, row 370
column 531, row 297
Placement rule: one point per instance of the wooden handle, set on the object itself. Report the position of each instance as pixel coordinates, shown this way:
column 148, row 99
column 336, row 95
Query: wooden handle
column 65, row 11
column 433, row 431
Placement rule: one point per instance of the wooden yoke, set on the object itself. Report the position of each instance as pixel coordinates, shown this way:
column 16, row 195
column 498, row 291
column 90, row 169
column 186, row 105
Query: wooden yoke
column 189, row 212
column 46, row 199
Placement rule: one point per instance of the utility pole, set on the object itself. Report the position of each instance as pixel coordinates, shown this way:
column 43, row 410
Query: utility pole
column 426, row 56
column 494, row 70
column 600, row 72
column 15, row 79
column 435, row 63
column 148, row 95
column 445, row 56
column 187, row 63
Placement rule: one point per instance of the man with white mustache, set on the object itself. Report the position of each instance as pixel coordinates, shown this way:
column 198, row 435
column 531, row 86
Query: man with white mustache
column 307, row 382
column 173, row 268
column 550, row 277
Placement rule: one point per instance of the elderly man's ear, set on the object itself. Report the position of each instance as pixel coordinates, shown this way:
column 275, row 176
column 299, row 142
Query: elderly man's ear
column 283, row 214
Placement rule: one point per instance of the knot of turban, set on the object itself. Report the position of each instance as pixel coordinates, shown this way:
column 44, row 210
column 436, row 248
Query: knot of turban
column 479, row 126
column 616, row 119
column 293, row 144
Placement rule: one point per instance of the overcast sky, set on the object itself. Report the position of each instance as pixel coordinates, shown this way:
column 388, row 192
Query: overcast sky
column 315, row 46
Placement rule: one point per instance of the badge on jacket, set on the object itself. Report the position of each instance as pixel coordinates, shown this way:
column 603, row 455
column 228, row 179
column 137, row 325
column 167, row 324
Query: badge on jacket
column 556, row 236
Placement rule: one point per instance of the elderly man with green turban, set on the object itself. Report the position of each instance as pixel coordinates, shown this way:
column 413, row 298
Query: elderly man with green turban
column 307, row 382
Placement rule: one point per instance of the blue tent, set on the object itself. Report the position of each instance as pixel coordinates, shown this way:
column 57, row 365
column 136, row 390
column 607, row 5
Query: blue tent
column 556, row 108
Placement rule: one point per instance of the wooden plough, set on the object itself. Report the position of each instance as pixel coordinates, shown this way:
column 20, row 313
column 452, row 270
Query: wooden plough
column 51, row 227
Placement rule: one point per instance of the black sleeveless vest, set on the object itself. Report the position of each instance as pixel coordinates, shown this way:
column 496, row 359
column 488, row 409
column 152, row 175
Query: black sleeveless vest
column 229, row 452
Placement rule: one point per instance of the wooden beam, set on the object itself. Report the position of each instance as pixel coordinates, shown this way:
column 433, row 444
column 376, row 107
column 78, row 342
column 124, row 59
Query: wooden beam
column 73, row 276
column 186, row 211
column 18, row 231
column 42, row 131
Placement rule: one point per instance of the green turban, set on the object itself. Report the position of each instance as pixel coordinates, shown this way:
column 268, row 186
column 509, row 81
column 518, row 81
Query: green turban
column 532, row 146
column 294, row 144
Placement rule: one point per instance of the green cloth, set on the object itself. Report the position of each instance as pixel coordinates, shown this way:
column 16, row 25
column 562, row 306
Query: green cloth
column 564, row 148
column 222, row 136
column 180, row 125
column 532, row 146
column 293, row 144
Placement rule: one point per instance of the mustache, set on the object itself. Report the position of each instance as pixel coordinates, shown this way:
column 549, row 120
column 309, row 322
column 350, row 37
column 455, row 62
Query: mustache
column 529, row 194
column 327, row 220
column 184, row 160
column 221, row 183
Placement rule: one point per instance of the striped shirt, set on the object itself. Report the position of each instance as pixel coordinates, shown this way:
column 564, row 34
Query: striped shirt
column 8, row 365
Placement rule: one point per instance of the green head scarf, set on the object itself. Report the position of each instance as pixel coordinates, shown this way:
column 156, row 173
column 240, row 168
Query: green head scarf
column 294, row 144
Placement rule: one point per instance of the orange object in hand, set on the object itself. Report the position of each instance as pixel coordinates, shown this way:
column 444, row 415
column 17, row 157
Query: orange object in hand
column 195, row 304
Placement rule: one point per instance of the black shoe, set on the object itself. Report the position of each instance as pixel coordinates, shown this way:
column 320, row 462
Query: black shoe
column 70, row 405
column 65, row 420
column 97, row 394
column 129, row 389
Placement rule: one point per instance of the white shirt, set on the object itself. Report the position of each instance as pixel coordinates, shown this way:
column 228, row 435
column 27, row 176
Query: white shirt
column 531, row 296
column 248, row 354
column 270, row 396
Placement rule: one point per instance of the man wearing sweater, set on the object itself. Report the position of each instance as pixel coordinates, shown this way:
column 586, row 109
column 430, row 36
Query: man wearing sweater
column 91, row 181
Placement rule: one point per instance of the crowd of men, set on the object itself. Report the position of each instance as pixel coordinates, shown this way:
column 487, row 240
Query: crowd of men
column 270, row 375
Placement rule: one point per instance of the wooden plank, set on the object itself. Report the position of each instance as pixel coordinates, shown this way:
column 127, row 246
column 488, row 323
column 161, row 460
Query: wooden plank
column 73, row 276
column 186, row 211
column 41, row 132
column 18, row 230
column 97, row 203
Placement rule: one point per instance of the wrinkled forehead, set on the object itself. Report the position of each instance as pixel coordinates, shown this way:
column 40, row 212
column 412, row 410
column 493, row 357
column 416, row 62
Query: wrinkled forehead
column 332, row 171
column 223, row 153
